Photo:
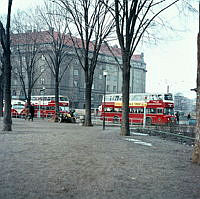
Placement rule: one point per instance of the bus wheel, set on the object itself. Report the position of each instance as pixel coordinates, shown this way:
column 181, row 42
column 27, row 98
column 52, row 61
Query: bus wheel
column 115, row 119
column 148, row 121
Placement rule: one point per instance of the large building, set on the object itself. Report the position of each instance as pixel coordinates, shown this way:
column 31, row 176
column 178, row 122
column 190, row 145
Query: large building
column 184, row 104
column 73, row 84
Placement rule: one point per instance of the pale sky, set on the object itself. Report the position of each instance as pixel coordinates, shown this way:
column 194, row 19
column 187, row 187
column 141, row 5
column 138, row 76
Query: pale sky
column 172, row 63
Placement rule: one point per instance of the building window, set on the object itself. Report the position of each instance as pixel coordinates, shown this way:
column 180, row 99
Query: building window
column 15, row 82
column 42, row 68
column 14, row 92
column 42, row 81
column 43, row 57
column 23, row 59
column 75, row 83
column 75, row 72
column 108, row 88
column 114, row 89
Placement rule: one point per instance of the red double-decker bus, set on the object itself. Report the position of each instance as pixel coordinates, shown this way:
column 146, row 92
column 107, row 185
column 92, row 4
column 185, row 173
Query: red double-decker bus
column 150, row 108
column 47, row 110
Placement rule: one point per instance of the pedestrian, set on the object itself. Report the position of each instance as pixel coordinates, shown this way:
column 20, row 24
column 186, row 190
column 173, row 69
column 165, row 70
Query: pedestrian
column 31, row 111
column 177, row 117
column 189, row 116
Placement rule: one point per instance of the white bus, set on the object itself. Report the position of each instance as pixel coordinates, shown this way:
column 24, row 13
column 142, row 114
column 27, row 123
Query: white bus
column 45, row 99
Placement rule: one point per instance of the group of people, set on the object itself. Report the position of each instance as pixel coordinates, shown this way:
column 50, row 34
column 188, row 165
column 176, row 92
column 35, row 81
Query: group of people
column 29, row 112
column 177, row 116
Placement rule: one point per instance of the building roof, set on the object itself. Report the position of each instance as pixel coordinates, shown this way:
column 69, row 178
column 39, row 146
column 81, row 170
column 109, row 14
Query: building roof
column 44, row 37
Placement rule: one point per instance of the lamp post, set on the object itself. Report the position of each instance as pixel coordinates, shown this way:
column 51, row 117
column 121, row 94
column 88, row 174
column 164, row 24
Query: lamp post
column 42, row 92
column 145, row 105
column 105, row 73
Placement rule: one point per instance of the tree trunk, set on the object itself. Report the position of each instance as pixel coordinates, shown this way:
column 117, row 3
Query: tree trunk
column 7, row 93
column 1, row 96
column 196, row 150
column 57, row 95
column 88, row 90
column 5, row 42
column 29, row 94
column 125, row 131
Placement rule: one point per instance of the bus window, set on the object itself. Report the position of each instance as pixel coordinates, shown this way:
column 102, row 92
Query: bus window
column 42, row 107
column 63, row 99
column 117, row 110
column 36, row 107
column 160, row 97
column 17, row 106
column 140, row 110
column 168, row 96
column 108, row 109
column 151, row 110
column 117, row 98
column 153, row 97
column 64, row 108
column 159, row 110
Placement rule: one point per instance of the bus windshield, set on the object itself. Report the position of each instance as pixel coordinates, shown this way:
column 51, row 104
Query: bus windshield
column 18, row 106
column 169, row 111
column 64, row 108
column 63, row 99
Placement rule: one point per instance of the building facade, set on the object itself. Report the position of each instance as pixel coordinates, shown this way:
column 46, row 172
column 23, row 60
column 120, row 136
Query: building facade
column 72, row 83
column 183, row 104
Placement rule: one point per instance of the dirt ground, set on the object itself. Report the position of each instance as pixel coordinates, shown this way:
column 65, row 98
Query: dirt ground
column 45, row 160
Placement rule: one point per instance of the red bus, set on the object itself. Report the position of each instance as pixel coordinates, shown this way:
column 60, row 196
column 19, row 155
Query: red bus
column 48, row 110
column 17, row 107
column 154, row 108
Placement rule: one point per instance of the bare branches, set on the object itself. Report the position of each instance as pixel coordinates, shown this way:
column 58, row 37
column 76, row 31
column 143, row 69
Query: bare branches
column 132, row 19
column 57, row 22
column 91, row 24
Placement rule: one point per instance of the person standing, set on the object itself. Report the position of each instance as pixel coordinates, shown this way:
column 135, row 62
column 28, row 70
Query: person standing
column 177, row 117
column 189, row 116
column 31, row 111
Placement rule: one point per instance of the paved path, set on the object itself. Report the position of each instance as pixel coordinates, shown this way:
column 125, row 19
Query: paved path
column 44, row 160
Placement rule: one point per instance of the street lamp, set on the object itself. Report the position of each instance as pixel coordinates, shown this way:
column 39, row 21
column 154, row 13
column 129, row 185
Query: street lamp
column 145, row 106
column 105, row 73
column 42, row 92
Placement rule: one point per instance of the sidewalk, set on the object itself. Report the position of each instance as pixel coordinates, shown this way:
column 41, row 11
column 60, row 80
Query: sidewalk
column 45, row 160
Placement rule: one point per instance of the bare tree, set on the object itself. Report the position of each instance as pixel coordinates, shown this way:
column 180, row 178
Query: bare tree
column 26, row 45
column 132, row 19
column 5, row 42
column 92, row 25
column 56, row 52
